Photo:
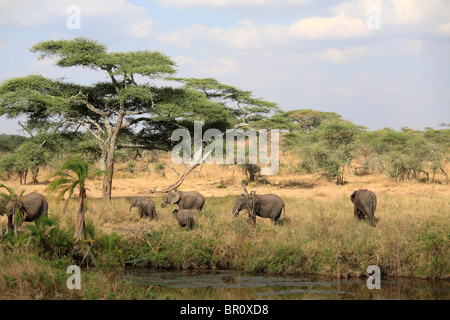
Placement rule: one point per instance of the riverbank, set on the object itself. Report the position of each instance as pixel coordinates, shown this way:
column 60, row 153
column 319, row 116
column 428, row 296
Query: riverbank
column 319, row 236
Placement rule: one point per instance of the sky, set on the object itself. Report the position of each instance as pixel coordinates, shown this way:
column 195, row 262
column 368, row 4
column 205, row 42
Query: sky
column 377, row 63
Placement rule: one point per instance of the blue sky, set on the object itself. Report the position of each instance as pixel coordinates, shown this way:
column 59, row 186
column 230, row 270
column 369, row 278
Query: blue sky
column 301, row 54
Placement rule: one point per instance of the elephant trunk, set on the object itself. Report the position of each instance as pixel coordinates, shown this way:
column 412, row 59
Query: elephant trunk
column 130, row 208
column 236, row 209
column 163, row 204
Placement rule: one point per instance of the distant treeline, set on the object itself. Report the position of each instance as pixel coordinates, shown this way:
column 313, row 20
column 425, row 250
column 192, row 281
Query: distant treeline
column 324, row 144
column 9, row 142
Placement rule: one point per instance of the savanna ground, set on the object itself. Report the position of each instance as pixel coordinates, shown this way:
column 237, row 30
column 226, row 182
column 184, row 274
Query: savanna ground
column 319, row 235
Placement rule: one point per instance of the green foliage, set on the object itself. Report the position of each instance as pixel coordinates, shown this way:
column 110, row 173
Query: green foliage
column 241, row 104
column 13, row 204
column 8, row 143
column 49, row 239
column 159, row 167
column 307, row 120
column 74, row 173
column 436, row 248
column 329, row 148
column 402, row 155
column 65, row 182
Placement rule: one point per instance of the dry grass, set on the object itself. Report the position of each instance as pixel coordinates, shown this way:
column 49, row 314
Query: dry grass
column 319, row 234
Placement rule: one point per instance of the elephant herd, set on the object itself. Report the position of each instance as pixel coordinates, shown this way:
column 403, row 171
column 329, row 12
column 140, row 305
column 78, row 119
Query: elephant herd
column 265, row 206
column 34, row 205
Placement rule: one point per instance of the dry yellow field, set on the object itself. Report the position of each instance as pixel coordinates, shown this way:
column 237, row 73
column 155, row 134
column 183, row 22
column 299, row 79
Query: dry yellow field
column 318, row 236
column 220, row 181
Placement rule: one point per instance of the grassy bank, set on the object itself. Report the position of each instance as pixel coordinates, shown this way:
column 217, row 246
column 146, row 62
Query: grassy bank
column 318, row 236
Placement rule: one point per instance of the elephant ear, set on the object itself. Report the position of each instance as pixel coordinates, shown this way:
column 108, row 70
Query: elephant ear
column 352, row 197
column 174, row 198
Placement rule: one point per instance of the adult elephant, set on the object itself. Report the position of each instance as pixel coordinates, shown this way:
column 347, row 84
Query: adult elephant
column 266, row 206
column 365, row 204
column 33, row 205
column 185, row 200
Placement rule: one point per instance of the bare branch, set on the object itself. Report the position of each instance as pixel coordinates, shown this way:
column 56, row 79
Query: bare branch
column 198, row 159
column 133, row 121
column 83, row 124
column 24, row 128
column 88, row 104
column 129, row 145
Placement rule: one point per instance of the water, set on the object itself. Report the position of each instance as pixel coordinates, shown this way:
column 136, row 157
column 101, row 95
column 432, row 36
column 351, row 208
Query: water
column 233, row 285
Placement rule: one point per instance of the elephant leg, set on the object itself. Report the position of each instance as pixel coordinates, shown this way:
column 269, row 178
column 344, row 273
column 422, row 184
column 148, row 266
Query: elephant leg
column 372, row 224
column 355, row 212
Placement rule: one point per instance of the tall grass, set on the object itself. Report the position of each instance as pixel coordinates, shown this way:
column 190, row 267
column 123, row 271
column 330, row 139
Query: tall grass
column 319, row 236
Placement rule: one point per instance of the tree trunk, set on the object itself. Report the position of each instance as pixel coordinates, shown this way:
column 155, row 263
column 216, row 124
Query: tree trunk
column 428, row 177
column 80, row 230
column 108, row 176
column 34, row 175
column 445, row 174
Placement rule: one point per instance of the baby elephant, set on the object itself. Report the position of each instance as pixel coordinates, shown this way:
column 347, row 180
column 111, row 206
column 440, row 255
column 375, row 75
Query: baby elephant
column 146, row 208
column 184, row 218
column 365, row 202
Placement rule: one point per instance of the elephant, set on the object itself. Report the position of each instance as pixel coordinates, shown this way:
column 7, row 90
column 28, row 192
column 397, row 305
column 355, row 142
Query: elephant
column 365, row 203
column 266, row 206
column 33, row 205
column 185, row 200
column 146, row 207
column 184, row 218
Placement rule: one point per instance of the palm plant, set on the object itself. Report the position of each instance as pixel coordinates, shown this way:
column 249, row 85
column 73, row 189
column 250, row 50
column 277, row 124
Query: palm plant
column 74, row 173
column 13, row 199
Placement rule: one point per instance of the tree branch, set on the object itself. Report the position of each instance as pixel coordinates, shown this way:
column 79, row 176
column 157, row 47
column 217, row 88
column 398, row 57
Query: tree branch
column 133, row 121
column 89, row 105
column 83, row 124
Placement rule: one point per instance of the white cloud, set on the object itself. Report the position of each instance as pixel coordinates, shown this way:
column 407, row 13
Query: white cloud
column 412, row 47
column 247, row 35
column 335, row 55
column 109, row 13
column 328, row 28
column 206, row 67
column 398, row 12
column 444, row 28
column 143, row 29
column 228, row 3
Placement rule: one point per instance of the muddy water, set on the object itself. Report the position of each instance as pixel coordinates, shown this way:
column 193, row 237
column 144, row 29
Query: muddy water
column 232, row 285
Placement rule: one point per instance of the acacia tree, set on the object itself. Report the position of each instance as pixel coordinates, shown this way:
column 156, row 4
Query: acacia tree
column 110, row 109
column 439, row 141
column 246, row 112
column 329, row 148
column 247, row 109
column 307, row 120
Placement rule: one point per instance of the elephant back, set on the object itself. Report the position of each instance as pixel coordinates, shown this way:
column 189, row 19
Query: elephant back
column 35, row 205
column 270, row 205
